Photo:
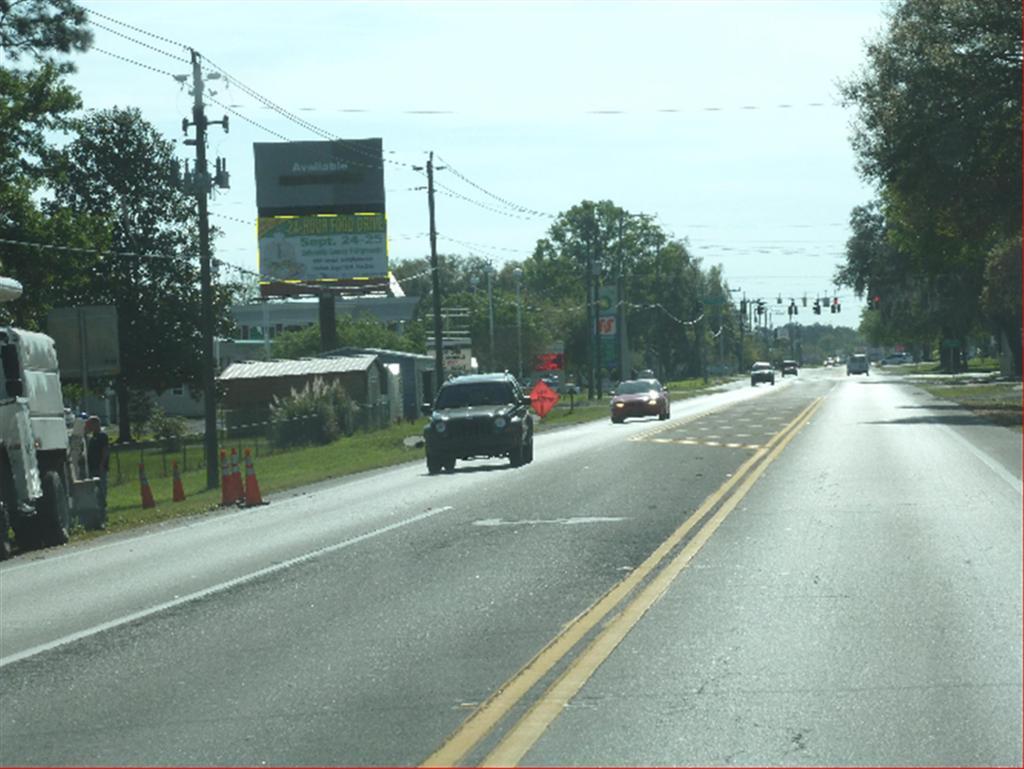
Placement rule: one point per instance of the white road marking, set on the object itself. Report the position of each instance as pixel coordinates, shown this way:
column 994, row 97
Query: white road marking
column 178, row 601
column 988, row 461
column 556, row 521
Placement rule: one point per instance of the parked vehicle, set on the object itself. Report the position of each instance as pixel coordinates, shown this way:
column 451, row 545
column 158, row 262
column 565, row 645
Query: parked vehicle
column 35, row 476
column 896, row 359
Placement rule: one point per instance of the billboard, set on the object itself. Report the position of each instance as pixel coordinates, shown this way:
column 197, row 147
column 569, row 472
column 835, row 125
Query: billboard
column 310, row 248
column 319, row 177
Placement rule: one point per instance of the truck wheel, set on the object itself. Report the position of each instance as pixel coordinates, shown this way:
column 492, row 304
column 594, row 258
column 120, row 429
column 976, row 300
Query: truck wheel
column 26, row 532
column 449, row 464
column 528, row 452
column 52, row 511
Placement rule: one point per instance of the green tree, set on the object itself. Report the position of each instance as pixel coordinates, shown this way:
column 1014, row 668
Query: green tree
column 912, row 303
column 352, row 332
column 36, row 103
column 939, row 132
column 118, row 169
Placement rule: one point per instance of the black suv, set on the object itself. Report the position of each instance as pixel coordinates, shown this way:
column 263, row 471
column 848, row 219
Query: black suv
column 480, row 415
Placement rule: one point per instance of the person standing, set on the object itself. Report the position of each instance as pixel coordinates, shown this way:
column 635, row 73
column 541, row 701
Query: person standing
column 97, row 456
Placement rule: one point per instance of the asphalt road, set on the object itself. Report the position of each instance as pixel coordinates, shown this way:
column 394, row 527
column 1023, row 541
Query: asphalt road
column 827, row 571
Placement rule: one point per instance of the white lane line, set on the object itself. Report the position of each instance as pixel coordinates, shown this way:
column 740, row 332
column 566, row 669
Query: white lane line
column 988, row 461
column 31, row 652
column 557, row 521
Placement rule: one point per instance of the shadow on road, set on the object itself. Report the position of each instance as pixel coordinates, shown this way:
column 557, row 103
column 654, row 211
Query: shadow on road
column 463, row 469
column 1005, row 419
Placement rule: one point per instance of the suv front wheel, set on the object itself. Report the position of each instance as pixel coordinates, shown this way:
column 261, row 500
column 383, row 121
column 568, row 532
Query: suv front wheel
column 434, row 464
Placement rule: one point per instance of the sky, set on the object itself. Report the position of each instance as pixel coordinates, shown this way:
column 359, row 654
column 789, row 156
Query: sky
column 721, row 119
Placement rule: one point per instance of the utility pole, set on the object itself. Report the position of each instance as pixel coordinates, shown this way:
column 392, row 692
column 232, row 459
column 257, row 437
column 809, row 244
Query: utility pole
column 435, row 279
column 597, row 329
column 619, row 337
column 203, row 185
column 490, row 315
column 591, row 321
column 743, row 322
column 518, row 273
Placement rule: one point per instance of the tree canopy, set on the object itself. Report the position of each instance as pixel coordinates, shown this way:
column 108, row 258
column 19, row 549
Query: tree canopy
column 938, row 132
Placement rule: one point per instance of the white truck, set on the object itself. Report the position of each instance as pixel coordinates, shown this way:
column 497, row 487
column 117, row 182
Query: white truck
column 35, row 478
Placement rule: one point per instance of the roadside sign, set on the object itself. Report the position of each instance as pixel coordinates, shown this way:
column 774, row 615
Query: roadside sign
column 542, row 398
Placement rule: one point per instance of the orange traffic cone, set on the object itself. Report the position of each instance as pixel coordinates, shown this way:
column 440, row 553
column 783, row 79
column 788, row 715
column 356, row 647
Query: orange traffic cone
column 252, row 486
column 235, row 487
column 147, row 493
column 178, row 490
column 225, row 479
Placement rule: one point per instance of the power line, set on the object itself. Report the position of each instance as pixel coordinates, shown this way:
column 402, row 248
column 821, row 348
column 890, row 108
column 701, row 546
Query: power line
column 509, row 204
column 111, row 19
column 133, row 61
column 248, row 120
column 449, row 192
column 113, row 31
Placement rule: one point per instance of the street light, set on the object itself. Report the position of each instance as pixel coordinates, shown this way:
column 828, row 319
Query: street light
column 519, row 321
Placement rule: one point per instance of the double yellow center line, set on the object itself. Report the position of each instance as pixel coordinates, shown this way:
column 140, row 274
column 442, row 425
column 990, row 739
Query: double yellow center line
column 525, row 733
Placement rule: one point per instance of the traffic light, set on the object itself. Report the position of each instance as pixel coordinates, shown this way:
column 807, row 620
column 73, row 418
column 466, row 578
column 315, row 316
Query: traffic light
column 743, row 306
column 817, row 307
column 760, row 306
column 874, row 302
column 836, row 307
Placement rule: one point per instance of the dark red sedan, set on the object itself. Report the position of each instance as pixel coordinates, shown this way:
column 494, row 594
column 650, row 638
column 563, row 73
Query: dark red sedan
column 640, row 398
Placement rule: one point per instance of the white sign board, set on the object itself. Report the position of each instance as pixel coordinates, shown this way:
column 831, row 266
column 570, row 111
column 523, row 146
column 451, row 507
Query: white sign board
column 309, row 248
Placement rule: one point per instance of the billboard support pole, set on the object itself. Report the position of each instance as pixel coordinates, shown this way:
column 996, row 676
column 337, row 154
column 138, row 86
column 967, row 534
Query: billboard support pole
column 328, row 321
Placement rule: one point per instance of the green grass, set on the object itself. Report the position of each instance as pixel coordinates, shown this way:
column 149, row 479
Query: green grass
column 286, row 470
column 999, row 402
column 974, row 365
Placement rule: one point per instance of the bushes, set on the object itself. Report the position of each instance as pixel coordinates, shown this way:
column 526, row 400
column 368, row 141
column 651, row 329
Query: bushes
column 319, row 413
column 167, row 429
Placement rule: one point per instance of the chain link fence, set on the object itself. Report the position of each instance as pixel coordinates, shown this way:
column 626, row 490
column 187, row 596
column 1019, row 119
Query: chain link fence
column 258, row 436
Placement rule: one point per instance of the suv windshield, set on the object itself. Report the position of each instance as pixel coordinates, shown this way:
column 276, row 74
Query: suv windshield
column 477, row 394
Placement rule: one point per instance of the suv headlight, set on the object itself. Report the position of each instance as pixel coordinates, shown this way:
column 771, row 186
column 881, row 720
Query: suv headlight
column 500, row 422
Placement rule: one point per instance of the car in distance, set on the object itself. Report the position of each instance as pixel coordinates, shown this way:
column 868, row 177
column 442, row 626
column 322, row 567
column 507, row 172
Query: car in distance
column 640, row 398
column 478, row 415
column 762, row 371
column 896, row 359
column 858, row 364
column 789, row 367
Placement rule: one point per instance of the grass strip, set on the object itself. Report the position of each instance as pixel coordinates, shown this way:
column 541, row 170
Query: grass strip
column 998, row 402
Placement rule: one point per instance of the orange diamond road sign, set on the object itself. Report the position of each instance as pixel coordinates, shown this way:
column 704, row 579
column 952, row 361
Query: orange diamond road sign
column 542, row 398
